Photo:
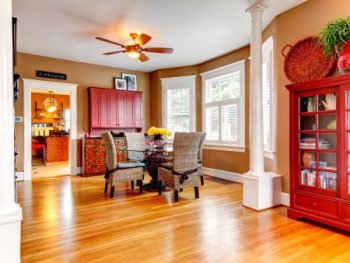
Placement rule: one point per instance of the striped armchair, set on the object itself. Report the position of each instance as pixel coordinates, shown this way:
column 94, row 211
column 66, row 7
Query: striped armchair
column 183, row 171
column 118, row 172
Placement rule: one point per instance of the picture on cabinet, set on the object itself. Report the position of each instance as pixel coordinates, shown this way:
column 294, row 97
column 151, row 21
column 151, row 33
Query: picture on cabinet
column 120, row 83
column 131, row 81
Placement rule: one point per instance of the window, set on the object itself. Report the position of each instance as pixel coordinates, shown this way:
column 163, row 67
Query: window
column 223, row 106
column 268, row 95
column 178, row 103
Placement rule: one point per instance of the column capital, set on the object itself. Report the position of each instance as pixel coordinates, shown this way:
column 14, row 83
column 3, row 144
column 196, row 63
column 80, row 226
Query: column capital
column 256, row 8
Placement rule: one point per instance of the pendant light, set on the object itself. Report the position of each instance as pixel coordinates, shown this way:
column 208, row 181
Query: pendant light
column 52, row 107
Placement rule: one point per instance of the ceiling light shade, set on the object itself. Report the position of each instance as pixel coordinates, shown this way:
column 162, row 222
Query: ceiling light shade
column 133, row 54
column 52, row 109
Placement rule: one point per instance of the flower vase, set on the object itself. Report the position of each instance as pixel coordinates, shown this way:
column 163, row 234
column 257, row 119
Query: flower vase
column 159, row 143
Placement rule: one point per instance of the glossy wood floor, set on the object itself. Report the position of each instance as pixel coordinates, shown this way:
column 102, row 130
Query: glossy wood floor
column 69, row 219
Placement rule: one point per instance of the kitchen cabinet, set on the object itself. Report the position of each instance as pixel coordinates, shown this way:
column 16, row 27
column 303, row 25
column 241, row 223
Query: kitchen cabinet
column 114, row 109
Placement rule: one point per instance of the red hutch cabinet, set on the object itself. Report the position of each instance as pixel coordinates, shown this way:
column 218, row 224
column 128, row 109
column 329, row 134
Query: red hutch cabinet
column 320, row 151
column 114, row 109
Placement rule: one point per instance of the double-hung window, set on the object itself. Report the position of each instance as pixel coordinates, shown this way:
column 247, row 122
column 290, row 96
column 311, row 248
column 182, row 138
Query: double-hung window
column 268, row 96
column 179, row 103
column 223, row 107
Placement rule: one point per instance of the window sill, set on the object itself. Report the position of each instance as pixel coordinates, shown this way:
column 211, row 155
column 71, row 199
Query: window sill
column 220, row 147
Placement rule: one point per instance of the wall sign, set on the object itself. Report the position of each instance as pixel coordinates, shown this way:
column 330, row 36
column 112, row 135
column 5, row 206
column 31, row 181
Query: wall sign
column 51, row 75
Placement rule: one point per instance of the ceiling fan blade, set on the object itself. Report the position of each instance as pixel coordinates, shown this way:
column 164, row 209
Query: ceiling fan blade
column 143, row 57
column 159, row 50
column 109, row 41
column 113, row 52
column 143, row 39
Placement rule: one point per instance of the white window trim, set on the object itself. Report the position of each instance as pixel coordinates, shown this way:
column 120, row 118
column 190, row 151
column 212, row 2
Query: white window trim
column 192, row 100
column 271, row 154
column 228, row 69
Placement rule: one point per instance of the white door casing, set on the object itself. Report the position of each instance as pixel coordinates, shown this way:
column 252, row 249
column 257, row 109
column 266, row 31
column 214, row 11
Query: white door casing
column 28, row 86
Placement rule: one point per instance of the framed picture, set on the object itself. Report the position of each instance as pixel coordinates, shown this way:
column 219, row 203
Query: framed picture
column 131, row 81
column 119, row 83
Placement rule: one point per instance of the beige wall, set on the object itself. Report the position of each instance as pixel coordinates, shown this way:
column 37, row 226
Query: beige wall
column 287, row 28
column 86, row 75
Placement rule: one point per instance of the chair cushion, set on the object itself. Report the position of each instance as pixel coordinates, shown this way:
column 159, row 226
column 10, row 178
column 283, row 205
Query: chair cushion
column 135, row 159
column 130, row 165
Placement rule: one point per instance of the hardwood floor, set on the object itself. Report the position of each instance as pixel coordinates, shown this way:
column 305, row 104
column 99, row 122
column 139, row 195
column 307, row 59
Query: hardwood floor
column 69, row 219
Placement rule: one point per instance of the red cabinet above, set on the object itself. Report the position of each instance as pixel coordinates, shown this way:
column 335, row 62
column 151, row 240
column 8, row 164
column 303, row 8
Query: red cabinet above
column 114, row 109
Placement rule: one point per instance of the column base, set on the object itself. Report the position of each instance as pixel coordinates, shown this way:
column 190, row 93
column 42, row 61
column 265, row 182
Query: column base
column 261, row 191
column 10, row 233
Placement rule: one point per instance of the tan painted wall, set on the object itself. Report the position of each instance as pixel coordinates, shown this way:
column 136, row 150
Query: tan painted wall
column 287, row 28
column 80, row 73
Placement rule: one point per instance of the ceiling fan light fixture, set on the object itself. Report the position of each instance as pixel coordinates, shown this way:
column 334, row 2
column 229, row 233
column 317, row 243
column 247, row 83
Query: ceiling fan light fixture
column 134, row 54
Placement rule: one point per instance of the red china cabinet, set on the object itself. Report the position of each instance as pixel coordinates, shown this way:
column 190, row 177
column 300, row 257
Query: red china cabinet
column 320, row 151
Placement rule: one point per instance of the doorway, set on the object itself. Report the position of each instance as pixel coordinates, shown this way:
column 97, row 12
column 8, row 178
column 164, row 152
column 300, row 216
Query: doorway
column 50, row 133
column 47, row 133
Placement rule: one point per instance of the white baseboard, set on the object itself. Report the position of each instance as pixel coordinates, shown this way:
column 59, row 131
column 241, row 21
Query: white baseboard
column 77, row 170
column 238, row 178
column 229, row 176
column 20, row 176
column 285, row 199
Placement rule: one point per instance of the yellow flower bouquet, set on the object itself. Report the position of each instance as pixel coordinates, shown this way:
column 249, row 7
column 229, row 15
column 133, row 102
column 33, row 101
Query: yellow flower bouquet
column 159, row 136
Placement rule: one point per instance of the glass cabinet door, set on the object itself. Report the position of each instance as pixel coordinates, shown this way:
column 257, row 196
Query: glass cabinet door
column 318, row 142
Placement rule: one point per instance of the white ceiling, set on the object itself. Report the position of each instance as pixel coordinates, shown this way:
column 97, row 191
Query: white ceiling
column 198, row 30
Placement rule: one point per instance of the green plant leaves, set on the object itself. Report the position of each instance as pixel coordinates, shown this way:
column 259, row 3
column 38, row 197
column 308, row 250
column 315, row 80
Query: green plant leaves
column 334, row 36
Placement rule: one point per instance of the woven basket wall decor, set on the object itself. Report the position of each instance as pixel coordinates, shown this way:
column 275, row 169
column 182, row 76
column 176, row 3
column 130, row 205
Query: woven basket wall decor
column 305, row 61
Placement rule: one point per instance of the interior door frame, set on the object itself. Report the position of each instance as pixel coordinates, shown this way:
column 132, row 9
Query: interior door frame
column 33, row 84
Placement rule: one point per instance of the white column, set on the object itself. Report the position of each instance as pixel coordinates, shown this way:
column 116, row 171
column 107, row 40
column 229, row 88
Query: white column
column 260, row 190
column 256, row 94
column 10, row 211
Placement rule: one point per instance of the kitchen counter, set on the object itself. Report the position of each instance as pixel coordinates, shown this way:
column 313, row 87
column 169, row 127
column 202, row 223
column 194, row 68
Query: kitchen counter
column 57, row 147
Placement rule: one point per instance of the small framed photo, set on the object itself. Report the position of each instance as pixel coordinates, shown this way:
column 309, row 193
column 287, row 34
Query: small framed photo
column 119, row 83
column 131, row 81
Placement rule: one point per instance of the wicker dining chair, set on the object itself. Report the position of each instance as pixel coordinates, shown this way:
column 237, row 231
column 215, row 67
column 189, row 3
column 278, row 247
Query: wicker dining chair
column 200, row 158
column 118, row 172
column 136, row 146
column 183, row 171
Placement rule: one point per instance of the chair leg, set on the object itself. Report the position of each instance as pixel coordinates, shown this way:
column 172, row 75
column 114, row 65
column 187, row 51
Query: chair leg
column 196, row 192
column 176, row 195
column 160, row 187
column 132, row 185
column 106, row 187
column 140, row 184
column 202, row 180
column 112, row 192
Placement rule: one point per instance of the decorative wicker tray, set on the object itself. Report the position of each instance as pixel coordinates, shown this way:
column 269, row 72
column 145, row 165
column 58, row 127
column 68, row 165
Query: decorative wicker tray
column 305, row 61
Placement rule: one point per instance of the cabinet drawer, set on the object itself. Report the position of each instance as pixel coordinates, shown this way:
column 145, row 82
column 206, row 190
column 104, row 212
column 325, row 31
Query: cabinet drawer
column 317, row 205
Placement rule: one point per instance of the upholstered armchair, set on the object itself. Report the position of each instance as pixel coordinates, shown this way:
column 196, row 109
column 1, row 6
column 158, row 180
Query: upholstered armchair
column 200, row 158
column 183, row 171
column 118, row 172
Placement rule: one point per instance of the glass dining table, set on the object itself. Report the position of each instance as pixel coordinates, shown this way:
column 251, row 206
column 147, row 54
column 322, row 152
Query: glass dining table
column 153, row 158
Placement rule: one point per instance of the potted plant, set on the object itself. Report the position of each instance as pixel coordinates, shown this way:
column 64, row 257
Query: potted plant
column 335, row 38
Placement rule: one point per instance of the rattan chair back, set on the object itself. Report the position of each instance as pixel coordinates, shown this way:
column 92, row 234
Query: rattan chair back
column 111, row 152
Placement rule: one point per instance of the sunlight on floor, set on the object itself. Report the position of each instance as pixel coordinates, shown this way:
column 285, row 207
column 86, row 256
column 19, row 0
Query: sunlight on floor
column 50, row 169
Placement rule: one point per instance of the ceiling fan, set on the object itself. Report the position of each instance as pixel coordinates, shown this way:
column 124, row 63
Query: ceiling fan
column 135, row 47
